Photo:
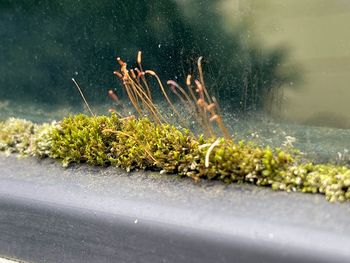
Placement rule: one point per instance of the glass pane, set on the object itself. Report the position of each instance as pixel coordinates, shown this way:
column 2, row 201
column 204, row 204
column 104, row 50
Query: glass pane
column 279, row 69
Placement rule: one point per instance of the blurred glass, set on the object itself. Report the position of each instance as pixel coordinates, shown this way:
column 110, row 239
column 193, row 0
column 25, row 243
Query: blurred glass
column 278, row 68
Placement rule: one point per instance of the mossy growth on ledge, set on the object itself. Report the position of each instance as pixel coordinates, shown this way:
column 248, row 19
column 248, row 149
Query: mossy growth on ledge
column 130, row 142
column 142, row 144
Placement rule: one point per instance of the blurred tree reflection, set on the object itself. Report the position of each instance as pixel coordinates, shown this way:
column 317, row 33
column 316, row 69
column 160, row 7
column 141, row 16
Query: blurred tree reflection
column 46, row 43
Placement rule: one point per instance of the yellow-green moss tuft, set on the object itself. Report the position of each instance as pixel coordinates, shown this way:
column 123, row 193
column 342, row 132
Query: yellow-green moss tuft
column 15, row 135
column 25, row 137
column 143, row 144
column 81, row 139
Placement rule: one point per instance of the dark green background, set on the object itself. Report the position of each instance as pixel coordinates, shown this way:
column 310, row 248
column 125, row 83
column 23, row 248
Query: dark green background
column 46, row 43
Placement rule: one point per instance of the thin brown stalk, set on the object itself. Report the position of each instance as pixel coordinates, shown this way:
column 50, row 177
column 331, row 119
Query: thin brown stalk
column 201, row 78
column 83, row 97
column 115, row 98
column 202, row 104
column 139, row 62
column 147, row 102
column 132, row 99
column 152, row 73
column 189, row 86
column 186, row 100
column 205, row 108
column 136, row 91
column 222, row 127
column 217, row 106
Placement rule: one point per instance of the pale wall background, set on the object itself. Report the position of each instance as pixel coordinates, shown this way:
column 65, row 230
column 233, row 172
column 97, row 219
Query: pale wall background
column 317, row 32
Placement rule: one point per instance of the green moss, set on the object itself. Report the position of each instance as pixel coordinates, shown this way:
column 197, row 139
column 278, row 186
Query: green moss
column 142, row 144
column 24, row 137
column 15, row 135
column 41, row 139
column 81, row 139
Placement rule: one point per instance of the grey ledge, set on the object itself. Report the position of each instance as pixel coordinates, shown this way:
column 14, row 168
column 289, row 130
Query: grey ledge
column 93, row 214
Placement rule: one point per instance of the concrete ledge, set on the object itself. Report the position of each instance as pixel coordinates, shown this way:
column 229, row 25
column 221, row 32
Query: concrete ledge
column 91, row 214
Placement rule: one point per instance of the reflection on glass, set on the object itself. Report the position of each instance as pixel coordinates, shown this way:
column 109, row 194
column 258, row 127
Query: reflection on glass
column 275, row 66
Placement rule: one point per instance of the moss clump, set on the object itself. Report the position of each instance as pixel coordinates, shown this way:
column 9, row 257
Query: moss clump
column 27, row 138
column 142, row 144
column 41, row 139
column 81, row 139
column 15, row 135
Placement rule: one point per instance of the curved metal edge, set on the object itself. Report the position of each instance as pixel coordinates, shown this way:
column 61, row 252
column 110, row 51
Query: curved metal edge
column 42, row 232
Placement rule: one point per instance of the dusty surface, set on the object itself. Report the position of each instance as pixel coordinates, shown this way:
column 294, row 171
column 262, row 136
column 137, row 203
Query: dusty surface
column 277, row 216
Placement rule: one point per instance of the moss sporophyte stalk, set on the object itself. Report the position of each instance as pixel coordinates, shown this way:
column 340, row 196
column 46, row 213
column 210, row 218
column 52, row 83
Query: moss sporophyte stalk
column 152, row 143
